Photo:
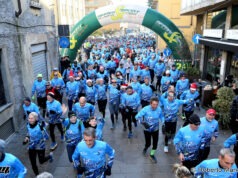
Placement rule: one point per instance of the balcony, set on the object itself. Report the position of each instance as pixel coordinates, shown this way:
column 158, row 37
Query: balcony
column 194, row 7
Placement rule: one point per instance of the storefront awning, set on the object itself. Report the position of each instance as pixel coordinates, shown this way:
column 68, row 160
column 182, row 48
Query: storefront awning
column 227, row 45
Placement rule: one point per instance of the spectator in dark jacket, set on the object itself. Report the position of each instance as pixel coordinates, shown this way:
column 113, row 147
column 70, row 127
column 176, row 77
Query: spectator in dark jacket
column 234, row 115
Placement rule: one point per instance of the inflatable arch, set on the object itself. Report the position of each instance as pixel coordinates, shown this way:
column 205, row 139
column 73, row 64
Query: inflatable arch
column 131, row 14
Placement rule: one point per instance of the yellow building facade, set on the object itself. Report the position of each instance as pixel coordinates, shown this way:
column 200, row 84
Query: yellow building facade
column 186, row 24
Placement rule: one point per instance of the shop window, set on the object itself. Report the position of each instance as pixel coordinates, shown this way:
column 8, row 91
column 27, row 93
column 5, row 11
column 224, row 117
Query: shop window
column 213, row 64
column 234, row 67
column 2, row 92
column 234, row 19
column 216, row 20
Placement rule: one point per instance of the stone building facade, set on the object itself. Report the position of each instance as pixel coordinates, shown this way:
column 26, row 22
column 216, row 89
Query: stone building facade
column 28, row 45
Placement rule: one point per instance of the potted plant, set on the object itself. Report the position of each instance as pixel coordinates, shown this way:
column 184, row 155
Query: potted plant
column 222, row 105
column 192, row 73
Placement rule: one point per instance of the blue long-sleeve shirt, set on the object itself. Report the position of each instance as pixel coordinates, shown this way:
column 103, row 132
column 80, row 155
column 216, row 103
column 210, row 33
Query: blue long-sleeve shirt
column 132, row 101
column 151, row 117
column 37, row 136
column 91, row 93
column 212, row 169
column 188, row 95
column 146, row 92
column 171, row 109
column 175, row 74
column 54, row 111
column 102, row 92
column 135, row 73
column 58, row 82
column 83, row 113
column 31, row 108
column 189, row 142
column 211, row 129
column 93, row 159
column 136, row 87
column 181, row 86
column 122, row 70
column 14, row 165
column 39, row 87
column 144, row 73
column 232, row 140
column 165, row 82
column 73, row 131
column 159, row 69
column 72, row 90
column 114, row 94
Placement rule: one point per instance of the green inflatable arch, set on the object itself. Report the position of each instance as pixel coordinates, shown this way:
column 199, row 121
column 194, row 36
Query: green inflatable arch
column 147, row 17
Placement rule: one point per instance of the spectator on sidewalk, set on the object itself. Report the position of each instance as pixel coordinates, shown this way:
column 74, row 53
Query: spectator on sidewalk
column 87, row 162
column 10, row 165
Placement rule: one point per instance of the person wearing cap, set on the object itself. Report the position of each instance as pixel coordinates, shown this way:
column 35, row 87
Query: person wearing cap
column 83, row 110
column 170, row 106
column 73, row 131
column 165, row 94
column 146, row 92
column 131, row 102
column 36, row 137
column 192, row 95
column 166, row 81
column 29, row 107
column 222, row 167
column 175, row 74
column 189, row 142
column 10, row 165
column 90, row 156
column 159, row 71
column 102, row 96
column 39, row 88
column 59, row 85
column 55, row 70
column 211, row 130
column 149, row 117
column 181, row 85
column 54, row 113
column 97, row 123
column 91, row 92
column 71, row 91
column 81, row 84
column 114, row 101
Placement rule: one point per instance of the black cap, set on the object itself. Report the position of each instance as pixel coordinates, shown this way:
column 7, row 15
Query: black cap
column 194, row 119
column 71, row 113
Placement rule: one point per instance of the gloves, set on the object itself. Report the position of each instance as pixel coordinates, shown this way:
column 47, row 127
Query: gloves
column 52, row 112
column 33, row 97
column 108, row 171
column 24, row 142
column 145, row 124
column 80, row 170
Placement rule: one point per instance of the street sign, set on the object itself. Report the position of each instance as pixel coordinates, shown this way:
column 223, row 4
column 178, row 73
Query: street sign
column 196, row 38
column 64, row 42
column 167, row 52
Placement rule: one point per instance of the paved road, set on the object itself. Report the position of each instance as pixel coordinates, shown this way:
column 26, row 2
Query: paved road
column 129, row 161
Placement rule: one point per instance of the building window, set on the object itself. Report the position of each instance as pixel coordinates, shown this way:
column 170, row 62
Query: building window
column 2, row 92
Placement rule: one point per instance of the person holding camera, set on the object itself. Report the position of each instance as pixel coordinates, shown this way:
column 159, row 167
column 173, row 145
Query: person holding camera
column 149, row 117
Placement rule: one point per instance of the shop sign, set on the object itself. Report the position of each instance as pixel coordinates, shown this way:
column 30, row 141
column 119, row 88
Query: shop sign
column 232, row 34
column 214, row 33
